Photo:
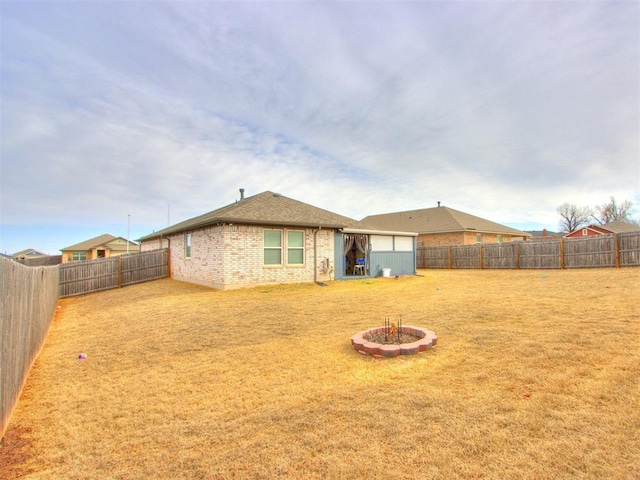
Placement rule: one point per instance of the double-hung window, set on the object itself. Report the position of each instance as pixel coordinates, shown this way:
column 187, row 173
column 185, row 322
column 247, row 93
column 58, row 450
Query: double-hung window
column 187, row 245
column 273, row 247
column 295, row 247
column 283, row 246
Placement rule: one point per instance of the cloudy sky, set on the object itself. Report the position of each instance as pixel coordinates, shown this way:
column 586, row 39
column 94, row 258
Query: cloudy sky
column 123, row 116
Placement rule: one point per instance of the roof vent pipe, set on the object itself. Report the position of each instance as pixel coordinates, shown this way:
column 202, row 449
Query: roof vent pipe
column 241, row 194
column 438, row 203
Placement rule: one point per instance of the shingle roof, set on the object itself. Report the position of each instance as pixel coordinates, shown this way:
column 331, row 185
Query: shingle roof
column 91, row 243
column 97, row 242
column 29, row 252
column 438, row 220
column 266, row 208
column 618, row 226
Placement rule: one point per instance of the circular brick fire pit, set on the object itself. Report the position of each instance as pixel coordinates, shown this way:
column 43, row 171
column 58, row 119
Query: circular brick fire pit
column 426, row 340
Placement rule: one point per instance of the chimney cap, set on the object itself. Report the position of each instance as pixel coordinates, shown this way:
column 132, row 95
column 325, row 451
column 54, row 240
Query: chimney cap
column 438, row 203
column 242, row 194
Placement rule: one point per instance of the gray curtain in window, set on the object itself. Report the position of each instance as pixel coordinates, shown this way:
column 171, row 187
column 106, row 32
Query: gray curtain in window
column 348, row 242
column 362, row 243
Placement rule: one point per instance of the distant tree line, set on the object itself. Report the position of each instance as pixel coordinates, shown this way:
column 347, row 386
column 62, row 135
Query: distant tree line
column 573, row 217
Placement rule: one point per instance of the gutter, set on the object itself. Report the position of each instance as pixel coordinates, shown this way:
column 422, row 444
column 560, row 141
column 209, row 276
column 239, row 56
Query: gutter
column 377, row 232
column 179, row 228
column 315, row 255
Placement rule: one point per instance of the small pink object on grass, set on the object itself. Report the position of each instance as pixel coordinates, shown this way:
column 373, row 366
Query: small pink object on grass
column 82, row 356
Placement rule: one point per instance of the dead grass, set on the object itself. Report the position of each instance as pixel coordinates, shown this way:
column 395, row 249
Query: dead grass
column 533, row 378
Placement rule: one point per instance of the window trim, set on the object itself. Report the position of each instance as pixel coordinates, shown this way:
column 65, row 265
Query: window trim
column 301, row 248
column 284, row 248
column 265, row 247
column 187, row 245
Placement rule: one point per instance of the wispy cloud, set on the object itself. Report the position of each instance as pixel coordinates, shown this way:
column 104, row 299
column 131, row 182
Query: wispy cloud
column 504, row 110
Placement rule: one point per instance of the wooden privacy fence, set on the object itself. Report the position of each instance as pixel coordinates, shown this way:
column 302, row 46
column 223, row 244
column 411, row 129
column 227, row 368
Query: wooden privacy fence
column 29, row 297
column 619, row 250
column 79, row 278
column 28, row 302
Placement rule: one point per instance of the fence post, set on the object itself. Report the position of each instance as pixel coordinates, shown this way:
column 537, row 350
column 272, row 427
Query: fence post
column 480, row 254
column 518, row 256
column 562, row 254
column 616, row 246
column 449, row 254
column 119, row 271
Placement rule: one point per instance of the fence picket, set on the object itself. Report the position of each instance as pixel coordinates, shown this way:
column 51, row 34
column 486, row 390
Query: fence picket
column 79, row 278
column 28, row 301
column 619, row 250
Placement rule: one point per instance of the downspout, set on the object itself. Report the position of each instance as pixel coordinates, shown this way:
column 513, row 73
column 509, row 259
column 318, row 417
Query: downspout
column 168, row 253
column 315, row 258
column 315, row 255
column 415, row 255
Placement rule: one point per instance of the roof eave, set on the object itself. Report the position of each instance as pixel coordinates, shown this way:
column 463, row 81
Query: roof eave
column 370, row 231
column 235, row 221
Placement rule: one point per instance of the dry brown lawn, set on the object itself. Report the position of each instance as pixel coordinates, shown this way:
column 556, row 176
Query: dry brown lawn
column 533, row 378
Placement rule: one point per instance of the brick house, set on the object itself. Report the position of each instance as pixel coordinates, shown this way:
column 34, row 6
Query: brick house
column 445, row 226
column 617, row 226
column 102, row 246
column 269, row 238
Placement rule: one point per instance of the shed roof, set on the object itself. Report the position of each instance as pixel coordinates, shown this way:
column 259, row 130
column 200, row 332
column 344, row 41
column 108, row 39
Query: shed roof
column 438, row 220
column 266, row 208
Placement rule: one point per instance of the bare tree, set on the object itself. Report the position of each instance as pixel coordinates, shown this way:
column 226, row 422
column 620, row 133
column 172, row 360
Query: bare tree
column 573, row 217
column 614, row 211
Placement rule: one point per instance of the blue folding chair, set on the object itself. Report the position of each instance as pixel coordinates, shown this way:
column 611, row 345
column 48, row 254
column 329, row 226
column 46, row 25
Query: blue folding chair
column 359, row 267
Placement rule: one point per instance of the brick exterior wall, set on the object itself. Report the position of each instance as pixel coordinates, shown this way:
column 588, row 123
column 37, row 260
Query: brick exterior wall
column 461, row 238
column 232, row 256
column 455, row 238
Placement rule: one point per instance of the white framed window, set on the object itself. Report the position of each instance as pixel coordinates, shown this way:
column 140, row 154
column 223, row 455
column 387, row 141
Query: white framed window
column 478, row 238
column 499, row 238
column 382, row 243
column 187, row 245
column 77, row 256
column 272, row 247
column 295, row 247
column 403, row 244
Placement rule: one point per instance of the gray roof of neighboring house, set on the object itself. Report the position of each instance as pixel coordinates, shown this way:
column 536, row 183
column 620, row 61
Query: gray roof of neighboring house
column 96, row 242
column 266, row 208
column 438, row 220
column 543, row 233
column 618, row 226
column 29, row 252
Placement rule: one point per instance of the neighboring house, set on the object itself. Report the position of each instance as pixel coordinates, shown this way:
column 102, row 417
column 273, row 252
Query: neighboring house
column 28, row 253
column 446, row 226
column 610, row 228
column 541, row 235
column 103, row 246
column 35, row 258
column 269, row 238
